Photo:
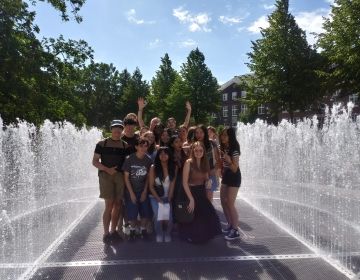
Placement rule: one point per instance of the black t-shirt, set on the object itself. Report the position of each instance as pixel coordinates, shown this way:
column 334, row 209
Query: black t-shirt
column 131, row 142
column 112, row 152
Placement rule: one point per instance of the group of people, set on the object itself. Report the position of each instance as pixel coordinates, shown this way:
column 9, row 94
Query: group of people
column 142, row 173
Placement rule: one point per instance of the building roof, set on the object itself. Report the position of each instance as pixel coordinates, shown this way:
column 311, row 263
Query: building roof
column 235, row 80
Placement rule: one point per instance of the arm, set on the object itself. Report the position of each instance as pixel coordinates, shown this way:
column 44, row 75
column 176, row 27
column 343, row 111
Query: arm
column 152, row 183
column 141, row 106
column 186, row 172
column 96, row 162
column 233, row 162
column 188, row 114
column 145, row 191
column 129, row 187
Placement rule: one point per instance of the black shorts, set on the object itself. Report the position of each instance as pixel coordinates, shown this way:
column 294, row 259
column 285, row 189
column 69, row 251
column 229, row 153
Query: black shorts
column 231, row 179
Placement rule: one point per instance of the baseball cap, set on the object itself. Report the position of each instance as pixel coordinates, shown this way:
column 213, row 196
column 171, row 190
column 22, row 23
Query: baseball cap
column 115, row 123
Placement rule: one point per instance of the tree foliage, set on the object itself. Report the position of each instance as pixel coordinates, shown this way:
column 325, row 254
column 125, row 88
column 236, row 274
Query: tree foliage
column 341, row 46
column 284, row 65
column 197, row 85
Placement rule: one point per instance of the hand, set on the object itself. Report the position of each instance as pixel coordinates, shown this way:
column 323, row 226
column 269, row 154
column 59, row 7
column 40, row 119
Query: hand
column 133, row 198
column 141, row 103
column 188, row 105
column 227, row 158
column 191, row 205
column 111, row 170
column 143, row 196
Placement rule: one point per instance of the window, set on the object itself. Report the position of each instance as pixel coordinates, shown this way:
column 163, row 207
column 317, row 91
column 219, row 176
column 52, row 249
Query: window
column 354, row 98
column 225, row 111
column 234, row 110
column 261, row 110
column 234, row 121
column 234, row 95
column 243, row 94
column 243, row 108
column 225, row 96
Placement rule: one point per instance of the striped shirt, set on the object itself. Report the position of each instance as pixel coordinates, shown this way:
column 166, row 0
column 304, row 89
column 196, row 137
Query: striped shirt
column 234, row 154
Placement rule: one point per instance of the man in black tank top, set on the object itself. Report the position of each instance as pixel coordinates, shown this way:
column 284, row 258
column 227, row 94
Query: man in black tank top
column 108, row 157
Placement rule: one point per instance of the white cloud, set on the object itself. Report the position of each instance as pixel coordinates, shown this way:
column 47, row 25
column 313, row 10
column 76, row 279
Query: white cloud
column 155, row 43
column 197, row 22
column 131, row 17
column 312, row 22
column 261, row 22
column 189, row 43
column 230, row 20
column 268, row 7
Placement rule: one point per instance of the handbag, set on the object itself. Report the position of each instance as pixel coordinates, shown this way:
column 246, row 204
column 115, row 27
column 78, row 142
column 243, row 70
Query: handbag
column 181, row 212
column 159, row 189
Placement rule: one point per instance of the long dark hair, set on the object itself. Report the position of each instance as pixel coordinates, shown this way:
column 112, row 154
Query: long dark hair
column 157, row 163
column 233, row 143
column 206, row 140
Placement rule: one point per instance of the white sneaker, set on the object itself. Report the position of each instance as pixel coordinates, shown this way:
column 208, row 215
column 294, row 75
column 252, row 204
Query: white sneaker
column 167, row 237
column 159, row 238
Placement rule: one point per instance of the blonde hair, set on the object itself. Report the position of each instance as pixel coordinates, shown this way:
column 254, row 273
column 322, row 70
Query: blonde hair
column 204, row 162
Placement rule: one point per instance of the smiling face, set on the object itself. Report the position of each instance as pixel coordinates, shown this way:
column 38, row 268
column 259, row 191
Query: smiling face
column 163, row 156
column 198, row 150
column 116, row 132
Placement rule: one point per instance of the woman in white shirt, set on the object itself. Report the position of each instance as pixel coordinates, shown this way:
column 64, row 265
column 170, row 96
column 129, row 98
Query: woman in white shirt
column 162, row 176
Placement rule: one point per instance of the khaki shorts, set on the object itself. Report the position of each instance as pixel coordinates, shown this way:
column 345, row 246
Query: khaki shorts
column 111, row 186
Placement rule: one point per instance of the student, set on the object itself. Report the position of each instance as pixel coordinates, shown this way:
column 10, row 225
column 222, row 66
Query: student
column 231, row 180
column 162, row 173
column 151, row 152
column 136, row 168
column 213, row 155
column 108, row 158
column 129, row 135
column 206, row 224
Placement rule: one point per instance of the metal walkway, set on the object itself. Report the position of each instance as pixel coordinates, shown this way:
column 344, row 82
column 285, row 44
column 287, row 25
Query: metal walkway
column 264, row 252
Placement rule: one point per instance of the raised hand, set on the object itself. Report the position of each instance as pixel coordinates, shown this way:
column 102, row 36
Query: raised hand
column 141, row 103
column 188, row 105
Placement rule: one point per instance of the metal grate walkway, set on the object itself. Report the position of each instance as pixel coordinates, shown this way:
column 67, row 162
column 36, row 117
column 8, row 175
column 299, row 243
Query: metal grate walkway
column 264, row 252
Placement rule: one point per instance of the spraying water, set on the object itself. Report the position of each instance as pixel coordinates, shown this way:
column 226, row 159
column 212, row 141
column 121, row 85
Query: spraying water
column 308, row 180
column 46, row 181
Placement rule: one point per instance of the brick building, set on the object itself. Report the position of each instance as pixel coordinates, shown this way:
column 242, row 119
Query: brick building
column 232, row 107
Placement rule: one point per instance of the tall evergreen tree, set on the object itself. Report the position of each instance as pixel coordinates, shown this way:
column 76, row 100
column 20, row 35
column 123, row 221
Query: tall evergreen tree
column 341, row 46
column 284, row 65
column 160, row 88
column 136, row 87
column 197, row 85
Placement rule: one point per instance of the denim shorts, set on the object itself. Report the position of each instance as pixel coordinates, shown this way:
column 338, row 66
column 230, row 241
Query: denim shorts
column 134, row 209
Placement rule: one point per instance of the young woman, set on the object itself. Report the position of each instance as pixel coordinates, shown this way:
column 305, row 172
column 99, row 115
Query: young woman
column 206, row 224
column 213, row 155
column 189, row 140
column 231, row 180
column 162, row 173
column 151, row 152
column 164, row 137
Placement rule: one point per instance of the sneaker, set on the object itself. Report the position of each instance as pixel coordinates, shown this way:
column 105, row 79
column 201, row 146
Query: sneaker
column 126, row 229
column 159, row 238
column 233, row 234
column 167, row 237
column 226, row 230
column 115, row 237
column 107, row 238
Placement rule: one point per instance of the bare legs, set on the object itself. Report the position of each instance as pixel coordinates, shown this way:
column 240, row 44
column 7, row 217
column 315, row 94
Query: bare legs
column 228, row 197
column 111, row 215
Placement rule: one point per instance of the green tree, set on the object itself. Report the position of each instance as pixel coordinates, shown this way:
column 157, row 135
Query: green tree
column 341, row 46
column 136, row 87
column 197, row 85
column 100, row 92
column 161, row 87
column 284, row 66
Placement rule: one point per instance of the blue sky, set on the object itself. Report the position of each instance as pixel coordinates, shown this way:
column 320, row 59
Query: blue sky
column 138, row 33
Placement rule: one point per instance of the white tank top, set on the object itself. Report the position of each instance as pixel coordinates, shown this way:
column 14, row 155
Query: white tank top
column 166, row 185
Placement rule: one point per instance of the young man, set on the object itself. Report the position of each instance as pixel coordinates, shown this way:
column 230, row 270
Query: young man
column 129, row 135
column 136, row 168
column 108, row 158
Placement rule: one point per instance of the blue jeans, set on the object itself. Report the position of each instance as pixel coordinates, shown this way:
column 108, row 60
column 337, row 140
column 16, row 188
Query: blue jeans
column 158, row 224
